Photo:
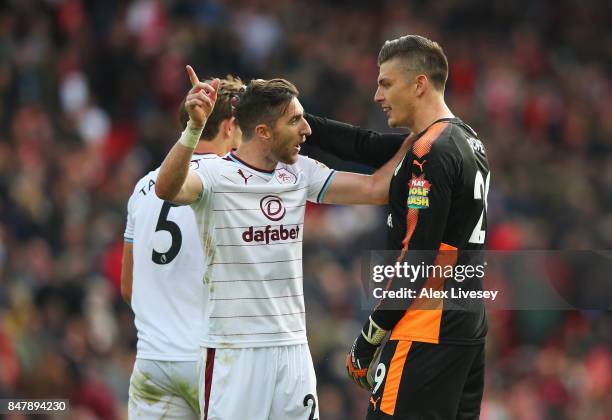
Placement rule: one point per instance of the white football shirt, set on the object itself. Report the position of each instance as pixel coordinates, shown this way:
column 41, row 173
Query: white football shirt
column 169, row 266
column 251, row 223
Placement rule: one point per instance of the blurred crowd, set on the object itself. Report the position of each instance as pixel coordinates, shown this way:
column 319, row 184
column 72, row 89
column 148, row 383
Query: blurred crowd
column 88, row 103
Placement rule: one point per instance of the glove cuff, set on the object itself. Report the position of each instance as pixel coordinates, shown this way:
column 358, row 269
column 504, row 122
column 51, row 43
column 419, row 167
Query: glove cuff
column 372, row 333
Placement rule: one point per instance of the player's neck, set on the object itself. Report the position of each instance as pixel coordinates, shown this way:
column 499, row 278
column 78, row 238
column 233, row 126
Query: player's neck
column 432, row 111
column 217, row 146
column 251, row 152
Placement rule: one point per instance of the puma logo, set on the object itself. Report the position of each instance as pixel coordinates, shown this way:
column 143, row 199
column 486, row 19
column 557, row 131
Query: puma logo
column 374, row 401
column 246, row 178
column 420, row 165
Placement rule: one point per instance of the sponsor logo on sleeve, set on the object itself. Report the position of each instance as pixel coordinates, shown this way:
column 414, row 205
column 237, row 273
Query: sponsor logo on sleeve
column 418, row 193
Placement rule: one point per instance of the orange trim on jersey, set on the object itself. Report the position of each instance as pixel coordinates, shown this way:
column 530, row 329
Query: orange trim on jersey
column 394, row 377
column 423, row 145
column 411, row 220
column 420, row 148
column 422, row 320
column 447, row 247
column 412, row 217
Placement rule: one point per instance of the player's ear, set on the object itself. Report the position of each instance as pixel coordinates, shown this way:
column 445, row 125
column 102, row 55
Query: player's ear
column 228, row 126
column 421, row 85
column 264, row 131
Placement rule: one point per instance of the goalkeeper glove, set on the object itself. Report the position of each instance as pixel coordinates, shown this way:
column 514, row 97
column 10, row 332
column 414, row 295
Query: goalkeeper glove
column 362, row 353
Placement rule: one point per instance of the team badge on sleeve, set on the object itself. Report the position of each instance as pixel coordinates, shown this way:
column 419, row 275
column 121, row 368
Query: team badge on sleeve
column 418, row 193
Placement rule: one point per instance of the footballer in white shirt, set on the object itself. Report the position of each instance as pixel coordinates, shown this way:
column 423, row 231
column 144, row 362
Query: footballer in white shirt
column 162, row 280
column 249, row 207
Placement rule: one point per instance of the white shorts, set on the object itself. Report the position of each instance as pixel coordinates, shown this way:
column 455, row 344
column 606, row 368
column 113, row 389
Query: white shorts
column 160, row 389
column 263, row 383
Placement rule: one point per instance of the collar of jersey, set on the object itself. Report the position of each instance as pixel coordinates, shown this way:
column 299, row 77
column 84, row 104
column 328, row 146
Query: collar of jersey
column 231, row 156
column 453, row 120
column 202, row 154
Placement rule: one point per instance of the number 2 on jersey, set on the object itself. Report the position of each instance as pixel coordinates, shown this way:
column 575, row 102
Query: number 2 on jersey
column 175, row 232
column 481, row 192
column 313, row 407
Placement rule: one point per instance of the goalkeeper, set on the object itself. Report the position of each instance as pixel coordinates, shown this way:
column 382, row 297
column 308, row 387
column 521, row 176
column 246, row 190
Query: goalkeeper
column 432, row 367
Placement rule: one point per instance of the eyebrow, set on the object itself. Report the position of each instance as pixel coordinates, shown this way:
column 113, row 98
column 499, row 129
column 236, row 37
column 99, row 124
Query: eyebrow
column 296, row 116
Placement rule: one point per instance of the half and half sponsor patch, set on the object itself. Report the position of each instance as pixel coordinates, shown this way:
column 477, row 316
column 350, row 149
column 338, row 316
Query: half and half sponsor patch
column 418, row 193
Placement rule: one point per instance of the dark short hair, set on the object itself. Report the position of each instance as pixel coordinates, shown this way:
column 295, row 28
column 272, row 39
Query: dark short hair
column 263, row 101
column 228, row 92
column 421, row 54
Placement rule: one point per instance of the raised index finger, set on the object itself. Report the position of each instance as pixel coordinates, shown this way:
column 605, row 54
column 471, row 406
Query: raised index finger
column 192, row 76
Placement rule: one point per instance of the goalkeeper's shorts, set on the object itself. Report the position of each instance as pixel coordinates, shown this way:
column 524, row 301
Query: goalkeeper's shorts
column 416, row 381
column 263, row 383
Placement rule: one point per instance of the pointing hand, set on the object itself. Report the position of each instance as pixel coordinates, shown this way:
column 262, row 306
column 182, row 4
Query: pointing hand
column 201, row 99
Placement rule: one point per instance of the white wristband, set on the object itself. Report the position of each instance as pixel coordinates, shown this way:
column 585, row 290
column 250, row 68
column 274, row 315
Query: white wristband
column 190, row 136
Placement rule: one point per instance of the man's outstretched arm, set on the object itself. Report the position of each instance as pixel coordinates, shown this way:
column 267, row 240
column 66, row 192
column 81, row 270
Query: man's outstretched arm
column 352, row 143
column 352, row 188
column 176, row 182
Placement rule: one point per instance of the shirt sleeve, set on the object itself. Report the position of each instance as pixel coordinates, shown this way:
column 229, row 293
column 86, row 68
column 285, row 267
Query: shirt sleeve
column 428, row 202
column 353, row 143
column 128, row 235
column 203, row 170
column 318, row 177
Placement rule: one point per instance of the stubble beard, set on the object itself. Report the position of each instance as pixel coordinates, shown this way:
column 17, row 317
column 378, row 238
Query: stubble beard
column 285, row 153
